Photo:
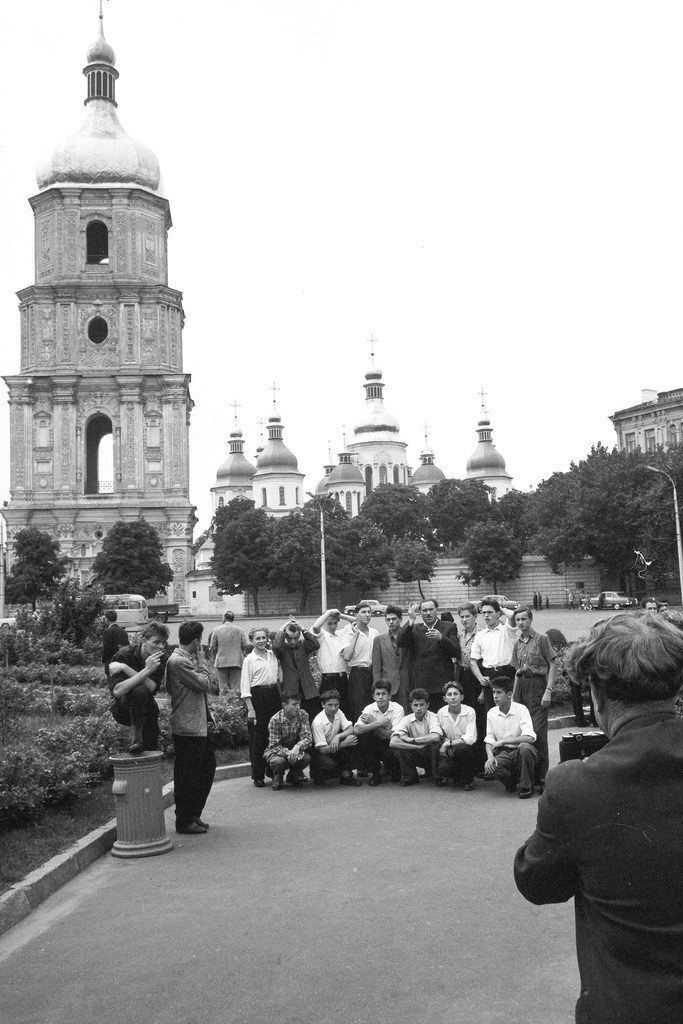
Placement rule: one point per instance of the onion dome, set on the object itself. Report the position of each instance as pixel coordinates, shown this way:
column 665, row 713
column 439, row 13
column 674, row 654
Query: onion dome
column 236, row 471
column 376, row 418
column 346, row 473
column 101, row 152
column 485, row 460
column 427, row 473
column 322, row 485
column 276, row 456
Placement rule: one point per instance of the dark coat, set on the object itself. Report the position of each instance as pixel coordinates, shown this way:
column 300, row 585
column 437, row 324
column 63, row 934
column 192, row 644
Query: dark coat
column 392, row 664
column 296, row 668
column 431, row 663
column 113, row 639
column 610, row 834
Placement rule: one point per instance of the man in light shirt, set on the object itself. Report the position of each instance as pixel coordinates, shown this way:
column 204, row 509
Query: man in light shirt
column 416, row 739
column 358, row 656
column 334, row 744
column 374, row 728
column 333, row 640
column 509, row 740
column 261, row 694
column 492, row 646
column 457, row 754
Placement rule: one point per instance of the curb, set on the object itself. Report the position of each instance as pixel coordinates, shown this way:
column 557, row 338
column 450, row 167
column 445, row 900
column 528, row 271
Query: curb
column 21, row 899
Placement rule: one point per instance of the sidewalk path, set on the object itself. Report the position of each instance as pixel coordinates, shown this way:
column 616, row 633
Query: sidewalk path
column 333, row 906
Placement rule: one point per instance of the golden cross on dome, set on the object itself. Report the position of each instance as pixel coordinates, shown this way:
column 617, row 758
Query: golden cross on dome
column 100, row 2
column 235, row 406
column 482, row 395
column 426, row 430
column 261, row 424
column 372, row 341
column 275, row 390
column 344, row 433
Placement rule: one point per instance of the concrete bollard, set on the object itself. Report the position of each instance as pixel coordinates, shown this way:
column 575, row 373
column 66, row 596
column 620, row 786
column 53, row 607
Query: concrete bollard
column 140, row 825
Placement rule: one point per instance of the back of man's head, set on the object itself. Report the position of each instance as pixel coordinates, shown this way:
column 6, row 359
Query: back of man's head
column 228, row 617
column 110, row 614
column 630, row 658
column 189, row 631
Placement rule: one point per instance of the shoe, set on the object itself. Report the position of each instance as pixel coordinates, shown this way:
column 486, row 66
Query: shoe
column 410, row 782
column 259, row 783
column 440, row 781
column 136, row 748
column 349, row 780
column 524, row 794
column 362, row 774
column 469, row 786
column 277, row 783
column 375, row 780
column 296, row 780
column 202, row 824
column 192, row 830
column 504, row 776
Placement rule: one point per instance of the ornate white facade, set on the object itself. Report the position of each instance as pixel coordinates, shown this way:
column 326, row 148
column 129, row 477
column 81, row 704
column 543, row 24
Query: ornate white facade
column 101, row 348
column 377, row 448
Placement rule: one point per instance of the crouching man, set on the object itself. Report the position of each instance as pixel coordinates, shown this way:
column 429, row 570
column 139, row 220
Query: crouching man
column 188, row 681
column 374, row 728
column 135, row 675
column 289, row 740
column 416, row 739
column 510, row 751
column 334, row 743
column 458, row 723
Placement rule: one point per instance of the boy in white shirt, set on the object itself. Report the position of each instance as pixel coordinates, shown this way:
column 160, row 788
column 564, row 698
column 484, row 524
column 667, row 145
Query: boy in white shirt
column 334, row 743
column 458, row 723
column 416, row 739
column 260, row 692
column 374, row 728
column 333, row 640
column 509, row 740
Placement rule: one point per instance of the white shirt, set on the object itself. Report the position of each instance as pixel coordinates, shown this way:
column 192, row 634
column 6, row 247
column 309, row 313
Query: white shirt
column 258, row 671
column 463, row 726
column 329, row 653
column 362, row 656
column 410, row 726
column 494, row 646
column 325, row 730
column 517, row 722
column 389, row 718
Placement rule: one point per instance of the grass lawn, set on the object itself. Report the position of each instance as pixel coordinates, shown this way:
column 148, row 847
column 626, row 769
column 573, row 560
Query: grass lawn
column 25, row 848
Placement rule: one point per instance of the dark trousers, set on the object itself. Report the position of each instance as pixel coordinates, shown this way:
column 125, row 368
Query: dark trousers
column 518, row 763
column 139, row 708
column 472, row 688
column 360, row 691
column 338, row 681
column 528, row 691
column 193, row 771
column 331, row 766
column 436, row 701
column 577, row 706
column 426, row 757
column 458, row 763
column 375, row 751
column 266, row 701
column 281, row 764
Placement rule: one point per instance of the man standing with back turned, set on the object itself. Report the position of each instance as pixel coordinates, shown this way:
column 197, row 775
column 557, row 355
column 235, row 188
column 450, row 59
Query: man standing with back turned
column 610, row 828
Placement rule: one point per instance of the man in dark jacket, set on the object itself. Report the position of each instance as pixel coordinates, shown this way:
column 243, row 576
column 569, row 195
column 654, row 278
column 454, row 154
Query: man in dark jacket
column 433, row 644
column 293, row 647
column 135, row 676
column 113, row 638
column 610, row 828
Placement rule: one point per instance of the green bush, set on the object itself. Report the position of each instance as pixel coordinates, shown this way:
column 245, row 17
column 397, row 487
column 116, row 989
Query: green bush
column 81, row 702
column 230, row 715
column 22, row 786
column 57, row 675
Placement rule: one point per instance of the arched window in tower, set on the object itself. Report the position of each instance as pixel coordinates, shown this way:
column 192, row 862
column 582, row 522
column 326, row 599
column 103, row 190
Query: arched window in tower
column 99, row 455
column 221, row 501
column 297, row 496
column 382, row 475
column 368, row 479
column 264, row 497
column 282, row 495
column 349, row 500
column 96, row 242
column 357, row 502
column 396, row 479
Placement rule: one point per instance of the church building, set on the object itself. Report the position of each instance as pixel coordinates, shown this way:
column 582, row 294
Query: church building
column 100, row 408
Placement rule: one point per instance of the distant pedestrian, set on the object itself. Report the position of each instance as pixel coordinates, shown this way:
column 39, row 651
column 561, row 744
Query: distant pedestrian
column 547, row 603
column 114, row 638
column 227, row 649
column 535, row 601
column 188, row 681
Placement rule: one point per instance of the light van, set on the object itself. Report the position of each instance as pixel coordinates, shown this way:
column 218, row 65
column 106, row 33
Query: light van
column 131, row 610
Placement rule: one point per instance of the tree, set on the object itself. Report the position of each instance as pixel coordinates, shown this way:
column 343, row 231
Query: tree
column 365, row 557
column 36, row 569
column 453, row 506
column 517, row 509
column 243, row 538
column 73, row 612
column 413, row 562
column 492, row 554
column 400, row 511
column 130, row 561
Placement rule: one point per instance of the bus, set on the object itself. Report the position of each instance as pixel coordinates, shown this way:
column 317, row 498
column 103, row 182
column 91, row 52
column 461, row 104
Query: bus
column 131, row 610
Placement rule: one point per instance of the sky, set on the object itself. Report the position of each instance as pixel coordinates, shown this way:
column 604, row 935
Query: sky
column 494, row 190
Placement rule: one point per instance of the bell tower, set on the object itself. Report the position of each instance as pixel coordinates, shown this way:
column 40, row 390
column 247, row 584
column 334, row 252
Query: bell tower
column 100, row 409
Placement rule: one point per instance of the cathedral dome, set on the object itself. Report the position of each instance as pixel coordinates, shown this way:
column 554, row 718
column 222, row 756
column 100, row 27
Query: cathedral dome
column 376, row 417
column 100, row 152
column 427, row 473
column 236, row 470
column 345, row 473
column 485, row 460
column 276, row 456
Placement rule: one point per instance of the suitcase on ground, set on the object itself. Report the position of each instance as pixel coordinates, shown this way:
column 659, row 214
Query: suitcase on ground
column 577, row 745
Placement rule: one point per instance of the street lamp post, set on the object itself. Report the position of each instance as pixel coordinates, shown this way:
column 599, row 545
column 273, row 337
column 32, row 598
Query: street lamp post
column 679, row 545
column 323, row 568
column 2, row 567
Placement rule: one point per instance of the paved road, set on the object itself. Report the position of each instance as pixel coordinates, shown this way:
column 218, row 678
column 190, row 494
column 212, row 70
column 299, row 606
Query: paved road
column 370, row 906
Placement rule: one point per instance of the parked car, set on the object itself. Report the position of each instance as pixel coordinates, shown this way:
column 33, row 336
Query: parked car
column 11, row 621
column 375, row 606
column 614, row 599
